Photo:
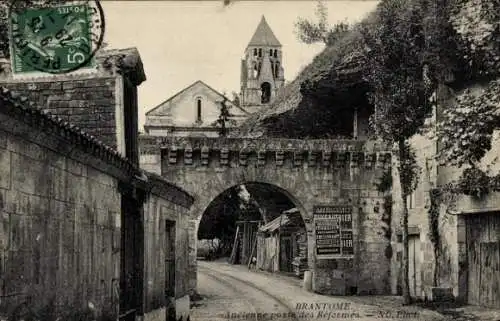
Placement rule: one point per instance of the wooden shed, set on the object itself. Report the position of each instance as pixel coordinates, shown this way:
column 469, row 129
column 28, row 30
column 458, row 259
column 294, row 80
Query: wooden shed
column 245, row 239
column 282, row 244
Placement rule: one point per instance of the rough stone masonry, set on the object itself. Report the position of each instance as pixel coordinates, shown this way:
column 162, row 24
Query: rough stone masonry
column 311, row 173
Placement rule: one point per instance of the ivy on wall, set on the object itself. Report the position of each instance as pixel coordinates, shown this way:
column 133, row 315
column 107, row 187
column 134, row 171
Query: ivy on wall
column 466, row 129
column 384, row 186
column 434, row 235
column 477, row 22
column 465, row 133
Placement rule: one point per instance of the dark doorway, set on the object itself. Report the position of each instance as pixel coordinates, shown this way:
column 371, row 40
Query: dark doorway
column 286, row 254
column 132, row 269
column 266, row 92
column 170, row 269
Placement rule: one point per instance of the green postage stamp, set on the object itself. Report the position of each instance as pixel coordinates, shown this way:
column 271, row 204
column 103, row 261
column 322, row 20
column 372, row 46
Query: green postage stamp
column 55, row 39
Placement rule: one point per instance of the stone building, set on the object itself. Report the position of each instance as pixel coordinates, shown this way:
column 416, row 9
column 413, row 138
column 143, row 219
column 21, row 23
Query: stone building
column 262, row 73
column 194, row 111
column 468, row 264
column 83, row 227
column 465, row 263
column 330, row 182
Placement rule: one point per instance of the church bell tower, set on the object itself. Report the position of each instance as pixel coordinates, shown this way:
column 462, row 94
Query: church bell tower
column 261, row 69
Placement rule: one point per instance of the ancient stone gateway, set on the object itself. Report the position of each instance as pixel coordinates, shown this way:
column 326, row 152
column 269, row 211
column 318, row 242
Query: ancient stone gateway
column 331, row 182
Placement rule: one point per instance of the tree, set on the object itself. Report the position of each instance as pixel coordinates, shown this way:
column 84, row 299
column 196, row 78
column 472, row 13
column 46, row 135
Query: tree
column 224, row 118
column 236, row 99
column 395, row 73
column 310, row 32
column 219, row 219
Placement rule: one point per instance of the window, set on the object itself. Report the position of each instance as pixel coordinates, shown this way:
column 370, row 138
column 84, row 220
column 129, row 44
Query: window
column 265, row 93
column 270, row 52
column 255, row 51
column 198, row 110
column 275, row 53
column 410, row 200
column 276, row 69
column 260, row 52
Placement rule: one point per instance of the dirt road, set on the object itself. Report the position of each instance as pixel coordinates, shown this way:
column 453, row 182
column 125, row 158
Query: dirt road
column 235, row 293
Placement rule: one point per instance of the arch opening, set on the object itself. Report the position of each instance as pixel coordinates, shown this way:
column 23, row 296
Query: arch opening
column 255, row 224
column 266, row 92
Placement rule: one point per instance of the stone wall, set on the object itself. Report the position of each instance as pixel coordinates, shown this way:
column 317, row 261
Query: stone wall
column 451, row 264
column 158, row 212
column 65, row 197
column 60, row 218
column 418, row 222
column 102, row 102
column 309, row 173
column 89, row 103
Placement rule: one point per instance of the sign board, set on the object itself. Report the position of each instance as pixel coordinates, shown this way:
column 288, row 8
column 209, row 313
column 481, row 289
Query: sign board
column 333, row 226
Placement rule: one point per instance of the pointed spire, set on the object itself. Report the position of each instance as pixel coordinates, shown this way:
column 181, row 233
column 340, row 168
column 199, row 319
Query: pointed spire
column 263, row 35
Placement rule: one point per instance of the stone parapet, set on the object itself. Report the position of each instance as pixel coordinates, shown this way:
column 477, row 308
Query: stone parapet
column 233, row 152
column 154, row 142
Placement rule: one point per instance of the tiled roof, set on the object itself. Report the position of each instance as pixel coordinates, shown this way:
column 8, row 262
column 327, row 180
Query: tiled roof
column 21, row 108
column 264, row 36
column 167, row 110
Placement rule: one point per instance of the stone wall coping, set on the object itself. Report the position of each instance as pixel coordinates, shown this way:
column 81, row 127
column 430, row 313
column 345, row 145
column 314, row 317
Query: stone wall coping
column 20, row 108
column 149, row 142
column 187, row 128
column 123, row 61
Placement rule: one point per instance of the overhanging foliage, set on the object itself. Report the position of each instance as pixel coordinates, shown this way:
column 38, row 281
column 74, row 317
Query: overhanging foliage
column 461, row 41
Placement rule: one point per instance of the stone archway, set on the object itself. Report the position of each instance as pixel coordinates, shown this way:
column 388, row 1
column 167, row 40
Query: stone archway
column 268, row 203
column 203, row 205
column 333, row 181
column 203, row 200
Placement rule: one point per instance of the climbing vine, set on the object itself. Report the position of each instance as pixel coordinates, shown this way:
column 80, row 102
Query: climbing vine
column 385, row 183
column 433, row 215
column 466, row 128
column 477, row 22
column 384, row 186
column 465, row 133
column 447, row 195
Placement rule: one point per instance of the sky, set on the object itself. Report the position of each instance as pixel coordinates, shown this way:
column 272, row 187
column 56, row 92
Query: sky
column 181, row 42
